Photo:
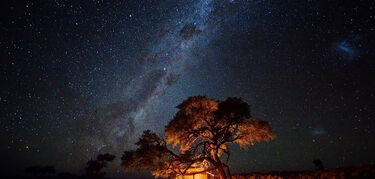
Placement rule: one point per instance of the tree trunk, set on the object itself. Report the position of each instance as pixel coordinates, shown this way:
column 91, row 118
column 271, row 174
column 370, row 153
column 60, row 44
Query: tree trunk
column 229, row 174
column 222, row 172
column 219, row 166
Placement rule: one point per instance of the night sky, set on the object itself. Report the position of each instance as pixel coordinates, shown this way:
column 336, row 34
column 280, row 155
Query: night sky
column 79, row 78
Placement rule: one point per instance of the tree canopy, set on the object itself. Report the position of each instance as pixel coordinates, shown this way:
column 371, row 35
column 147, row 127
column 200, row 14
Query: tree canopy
column 199, row 133
column 94, row 167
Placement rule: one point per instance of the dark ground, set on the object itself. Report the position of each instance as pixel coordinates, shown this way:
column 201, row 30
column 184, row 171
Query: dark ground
column 364, row 171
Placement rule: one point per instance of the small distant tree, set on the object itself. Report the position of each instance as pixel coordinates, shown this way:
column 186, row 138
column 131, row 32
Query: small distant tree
column 67, row 175
column 34, row 170
column 318, row 164
column 105, row 158
column 94, row 167
column 200, row 132
column 48, row 170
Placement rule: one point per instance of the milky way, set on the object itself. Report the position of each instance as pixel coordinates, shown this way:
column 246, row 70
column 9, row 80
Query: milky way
column 164, row 65
column 82, row 78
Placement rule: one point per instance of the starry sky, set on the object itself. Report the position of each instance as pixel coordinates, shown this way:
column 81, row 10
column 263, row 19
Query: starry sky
column 79, row 78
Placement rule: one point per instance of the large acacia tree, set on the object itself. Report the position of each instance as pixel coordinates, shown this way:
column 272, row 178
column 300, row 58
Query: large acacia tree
column 199, row 133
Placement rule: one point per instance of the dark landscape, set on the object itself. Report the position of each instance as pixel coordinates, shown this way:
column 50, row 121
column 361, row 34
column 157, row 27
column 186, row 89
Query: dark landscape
column 365, row 171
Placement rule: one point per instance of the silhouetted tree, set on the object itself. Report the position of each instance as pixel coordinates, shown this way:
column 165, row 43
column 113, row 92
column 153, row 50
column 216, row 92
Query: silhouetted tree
column 34, row 170
column 48, row 170
column 202, row 129
column 105, row 157
column 318, row 164
column 67, row 175
column 94, row 167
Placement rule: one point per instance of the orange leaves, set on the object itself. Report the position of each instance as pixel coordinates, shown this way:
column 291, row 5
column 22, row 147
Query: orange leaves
column 217, row 123
column 251, row 131
column 191, row 122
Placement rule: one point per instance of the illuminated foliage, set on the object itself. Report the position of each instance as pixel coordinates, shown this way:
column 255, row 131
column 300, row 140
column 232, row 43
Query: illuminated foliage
column 151, row 154
column 201, row 131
